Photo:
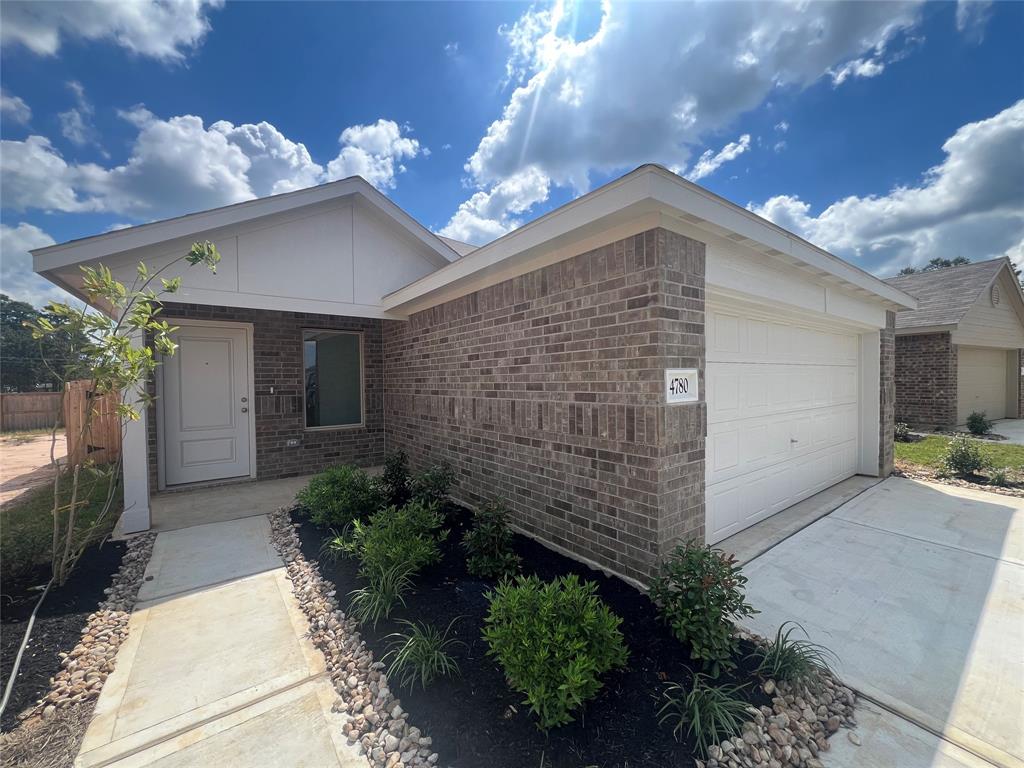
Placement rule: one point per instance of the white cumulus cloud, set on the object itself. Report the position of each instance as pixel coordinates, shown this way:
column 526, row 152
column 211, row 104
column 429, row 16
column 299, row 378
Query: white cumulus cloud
column 160, row 29
column 17, row 279
column 490, row 214
column 655, row 78
column 14, row 108
column 179, row 165
column 76, row 123
column 710, row 161
column 971, row 204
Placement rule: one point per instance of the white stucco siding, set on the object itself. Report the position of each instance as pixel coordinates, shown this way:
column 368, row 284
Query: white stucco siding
column 332, row 258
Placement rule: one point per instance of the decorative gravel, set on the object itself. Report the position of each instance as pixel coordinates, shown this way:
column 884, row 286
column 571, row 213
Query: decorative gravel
column 86, row 668
column 917, row 472
column 376, row 720
column 793, row 731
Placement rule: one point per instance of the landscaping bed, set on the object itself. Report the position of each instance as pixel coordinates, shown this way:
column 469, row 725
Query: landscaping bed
column 58, row 626
column 476, row 720
column 1002, row 469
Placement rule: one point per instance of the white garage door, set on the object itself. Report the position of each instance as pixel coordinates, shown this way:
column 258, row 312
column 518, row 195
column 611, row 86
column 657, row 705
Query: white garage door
column 981, row 382
column 782, row 415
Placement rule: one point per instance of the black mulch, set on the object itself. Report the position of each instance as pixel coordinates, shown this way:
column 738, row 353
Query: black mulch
column 58, row 625
column 476, row 720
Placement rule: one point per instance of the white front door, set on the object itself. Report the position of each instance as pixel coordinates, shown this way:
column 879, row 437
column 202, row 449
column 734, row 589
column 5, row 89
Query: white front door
column 206, row 406
column 783, row 409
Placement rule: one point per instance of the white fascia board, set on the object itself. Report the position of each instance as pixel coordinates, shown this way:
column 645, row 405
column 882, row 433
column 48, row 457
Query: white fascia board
column 647, row 189
column 922, row 330
column 102, row 246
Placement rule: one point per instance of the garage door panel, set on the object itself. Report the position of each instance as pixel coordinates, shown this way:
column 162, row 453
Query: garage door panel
column 981, row 382
column 783, row 416
column 736, row 338
column 744, row 390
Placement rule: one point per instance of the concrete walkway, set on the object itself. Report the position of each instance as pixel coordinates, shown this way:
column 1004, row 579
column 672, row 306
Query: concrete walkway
column 919, row 589
column 1011, row 429
column 217, row 668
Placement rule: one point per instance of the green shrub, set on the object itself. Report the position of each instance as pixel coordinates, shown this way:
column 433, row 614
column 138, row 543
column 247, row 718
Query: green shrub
column 792, row 659
column 408, row 536
column 488, row 543
column 699, row 593
column 962, row 457
column 385, row 587
column 553, row 640
column 999, row 476
column 337, row 497
column 901, row 432
column 432, row 485
column 977, row 424
column 420, row 654
column 708, row 713
column 395, row 480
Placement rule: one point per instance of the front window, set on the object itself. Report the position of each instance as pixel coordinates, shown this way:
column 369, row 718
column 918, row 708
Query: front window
column 334, row 378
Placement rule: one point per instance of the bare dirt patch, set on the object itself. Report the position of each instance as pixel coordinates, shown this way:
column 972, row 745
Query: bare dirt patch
column 25, row 463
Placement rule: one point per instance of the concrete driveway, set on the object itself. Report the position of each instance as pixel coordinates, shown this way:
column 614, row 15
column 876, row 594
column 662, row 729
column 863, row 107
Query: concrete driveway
column 919, row 589
column 1011, row 429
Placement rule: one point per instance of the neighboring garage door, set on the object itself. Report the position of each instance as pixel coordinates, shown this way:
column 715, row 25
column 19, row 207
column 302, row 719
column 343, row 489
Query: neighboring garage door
column 980, row 382
column 782, row 414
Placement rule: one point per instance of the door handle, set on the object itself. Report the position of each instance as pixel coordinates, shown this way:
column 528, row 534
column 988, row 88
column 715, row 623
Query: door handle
column 245, row 409
column 793, row 440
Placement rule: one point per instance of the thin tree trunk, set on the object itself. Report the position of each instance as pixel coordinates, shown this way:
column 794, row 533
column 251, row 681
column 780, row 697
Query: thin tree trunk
column 63, row 573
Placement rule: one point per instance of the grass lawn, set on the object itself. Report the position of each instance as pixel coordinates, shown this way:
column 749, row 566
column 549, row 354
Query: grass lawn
column 928, row 452
column 26, row 526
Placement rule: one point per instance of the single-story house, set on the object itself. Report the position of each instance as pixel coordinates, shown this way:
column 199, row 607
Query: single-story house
column 647, row 362
column 960, row 350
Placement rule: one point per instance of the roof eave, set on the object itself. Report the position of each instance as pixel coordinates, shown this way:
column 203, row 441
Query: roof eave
column 649, row 186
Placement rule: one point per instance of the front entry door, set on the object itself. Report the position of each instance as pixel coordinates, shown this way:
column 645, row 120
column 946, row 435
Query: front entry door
column 206, row 405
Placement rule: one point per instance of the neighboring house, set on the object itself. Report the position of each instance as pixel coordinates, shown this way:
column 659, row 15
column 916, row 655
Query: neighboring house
column 581, row 367
column 959, row 351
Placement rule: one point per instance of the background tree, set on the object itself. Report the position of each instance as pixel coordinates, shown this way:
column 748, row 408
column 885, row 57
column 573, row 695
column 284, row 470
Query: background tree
column 936, row 263
column 30, row 364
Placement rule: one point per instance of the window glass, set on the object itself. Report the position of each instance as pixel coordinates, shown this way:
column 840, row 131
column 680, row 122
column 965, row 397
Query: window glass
column 334, row 378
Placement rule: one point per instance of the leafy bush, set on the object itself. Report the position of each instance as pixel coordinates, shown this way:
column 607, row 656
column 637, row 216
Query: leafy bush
column 553, row 640
column 337, row 497
column 395, row 480
column 962, row 457
column 432, row 485
column 699, row 592
column 488, row 543
column 977, row 424
column 395, row 536
column 792, row 659
column 385, row 587
column 420, row 654
column 901, row 432
column 708, row 713
column 999, row 476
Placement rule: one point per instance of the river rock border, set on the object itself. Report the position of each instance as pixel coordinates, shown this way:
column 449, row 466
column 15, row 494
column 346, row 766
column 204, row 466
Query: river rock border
column 85, row 669
column 794, row 730
column 376, row 720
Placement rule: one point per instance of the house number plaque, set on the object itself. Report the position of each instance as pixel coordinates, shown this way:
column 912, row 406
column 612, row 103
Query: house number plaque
column 681, row 385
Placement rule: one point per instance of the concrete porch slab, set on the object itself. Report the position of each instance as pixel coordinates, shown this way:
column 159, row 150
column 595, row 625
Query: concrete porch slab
column 205, row 555
column 909, row 586
column 762, row 536
column 185, row 507
column 1011, row 429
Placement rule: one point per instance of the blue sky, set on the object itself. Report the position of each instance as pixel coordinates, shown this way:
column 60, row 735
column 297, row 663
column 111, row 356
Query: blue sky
column 888, row 133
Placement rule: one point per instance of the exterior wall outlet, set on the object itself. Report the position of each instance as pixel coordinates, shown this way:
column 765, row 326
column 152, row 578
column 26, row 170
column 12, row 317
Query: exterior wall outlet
column 292, row 443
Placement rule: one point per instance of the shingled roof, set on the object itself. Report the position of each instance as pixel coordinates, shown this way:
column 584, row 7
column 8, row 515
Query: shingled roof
column 944, row 295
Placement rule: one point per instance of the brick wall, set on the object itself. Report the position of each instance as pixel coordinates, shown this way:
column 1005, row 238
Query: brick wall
column 277, row 363
column 887, row 395
column 546, row 390
column 926, row 370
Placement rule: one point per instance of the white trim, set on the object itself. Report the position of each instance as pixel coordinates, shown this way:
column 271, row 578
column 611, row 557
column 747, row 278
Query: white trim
column 161, row 473
column 102, row 246
column 922, row 330
column 135, row 454
column 648, row 189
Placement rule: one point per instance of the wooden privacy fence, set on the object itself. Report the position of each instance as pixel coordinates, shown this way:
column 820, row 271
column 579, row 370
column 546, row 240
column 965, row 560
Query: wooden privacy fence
column 101, row 442
column 29, row 410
